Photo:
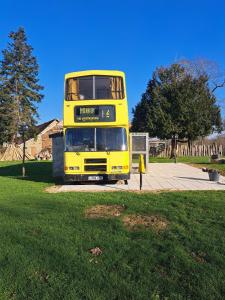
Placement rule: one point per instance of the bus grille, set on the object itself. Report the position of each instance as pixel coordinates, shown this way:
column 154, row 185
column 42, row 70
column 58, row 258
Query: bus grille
column 95, row 168
column 95, row 161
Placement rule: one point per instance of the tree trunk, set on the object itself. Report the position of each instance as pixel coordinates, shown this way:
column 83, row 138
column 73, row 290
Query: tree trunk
column 173, row 148
column 24, row 156
column 189, row 146
column 13, row 140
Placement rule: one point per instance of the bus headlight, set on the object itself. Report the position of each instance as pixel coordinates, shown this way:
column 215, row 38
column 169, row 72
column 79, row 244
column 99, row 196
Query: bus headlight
column 75, row 168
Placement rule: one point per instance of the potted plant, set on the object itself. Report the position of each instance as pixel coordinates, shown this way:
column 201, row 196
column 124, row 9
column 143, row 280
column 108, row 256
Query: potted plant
column 214, row 175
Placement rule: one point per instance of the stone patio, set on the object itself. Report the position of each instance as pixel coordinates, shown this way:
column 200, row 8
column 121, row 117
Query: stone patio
column 161, row 176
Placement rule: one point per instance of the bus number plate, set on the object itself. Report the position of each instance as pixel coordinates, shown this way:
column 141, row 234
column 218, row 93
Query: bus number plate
column 96, row 113
column 95, row 178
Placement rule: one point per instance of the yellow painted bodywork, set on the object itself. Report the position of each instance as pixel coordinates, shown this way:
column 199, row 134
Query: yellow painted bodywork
column 114, row 158
column 121, row 105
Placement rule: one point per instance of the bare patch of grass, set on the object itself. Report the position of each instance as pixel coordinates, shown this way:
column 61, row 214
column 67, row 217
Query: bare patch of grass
column 104, row 211
column 134, row 222
column 52, row 189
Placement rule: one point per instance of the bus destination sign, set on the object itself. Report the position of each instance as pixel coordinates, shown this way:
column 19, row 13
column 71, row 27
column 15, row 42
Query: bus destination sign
column 96, row 113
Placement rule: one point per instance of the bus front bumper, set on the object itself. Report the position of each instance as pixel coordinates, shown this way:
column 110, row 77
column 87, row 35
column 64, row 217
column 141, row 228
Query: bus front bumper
column 95, row 177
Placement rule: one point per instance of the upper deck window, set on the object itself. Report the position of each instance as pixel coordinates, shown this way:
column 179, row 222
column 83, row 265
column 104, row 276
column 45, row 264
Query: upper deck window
column 94, row 87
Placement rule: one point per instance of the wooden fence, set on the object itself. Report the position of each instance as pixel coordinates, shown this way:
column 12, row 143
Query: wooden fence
column 195, row 150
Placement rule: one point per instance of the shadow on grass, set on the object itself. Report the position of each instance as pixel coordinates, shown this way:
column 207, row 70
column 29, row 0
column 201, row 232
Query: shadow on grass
column 35, row 171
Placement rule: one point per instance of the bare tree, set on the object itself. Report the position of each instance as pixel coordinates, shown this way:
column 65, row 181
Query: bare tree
column 204, row 67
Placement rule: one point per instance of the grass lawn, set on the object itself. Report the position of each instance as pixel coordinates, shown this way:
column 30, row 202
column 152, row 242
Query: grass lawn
column 188, row 159
column 45, row 241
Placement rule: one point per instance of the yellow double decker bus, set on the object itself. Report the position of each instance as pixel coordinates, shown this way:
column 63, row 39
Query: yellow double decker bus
column 96, row 127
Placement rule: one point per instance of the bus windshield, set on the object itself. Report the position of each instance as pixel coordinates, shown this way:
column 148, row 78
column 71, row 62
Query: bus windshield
column 94, row 87
column 95, row 139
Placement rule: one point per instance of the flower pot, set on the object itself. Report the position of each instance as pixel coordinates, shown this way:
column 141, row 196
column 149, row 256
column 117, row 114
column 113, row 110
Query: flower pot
column 214, row 176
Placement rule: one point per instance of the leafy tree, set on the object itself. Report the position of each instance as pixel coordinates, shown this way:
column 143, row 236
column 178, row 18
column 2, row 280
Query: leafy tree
column 19, row 87
column 175, row 102
column 5, row 115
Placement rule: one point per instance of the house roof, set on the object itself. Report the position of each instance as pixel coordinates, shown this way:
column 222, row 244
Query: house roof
column 43, row 126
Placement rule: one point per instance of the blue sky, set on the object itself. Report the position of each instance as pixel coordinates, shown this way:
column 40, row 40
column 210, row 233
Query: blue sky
column 132, row 36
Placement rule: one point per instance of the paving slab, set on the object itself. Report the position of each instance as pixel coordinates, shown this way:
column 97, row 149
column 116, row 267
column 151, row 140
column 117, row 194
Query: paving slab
column 161, row 176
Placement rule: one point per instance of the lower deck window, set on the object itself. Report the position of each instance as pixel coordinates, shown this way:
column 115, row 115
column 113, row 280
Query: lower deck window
column 95, row 139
